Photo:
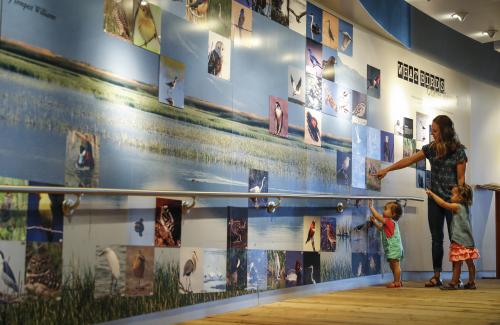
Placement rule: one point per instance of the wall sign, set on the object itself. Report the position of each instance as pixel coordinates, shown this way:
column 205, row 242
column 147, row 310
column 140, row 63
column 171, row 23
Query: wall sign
column 420, row 77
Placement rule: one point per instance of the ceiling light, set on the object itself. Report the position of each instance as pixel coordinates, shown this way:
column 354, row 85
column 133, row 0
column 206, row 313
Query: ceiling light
column 490, row 32
column 460, row 16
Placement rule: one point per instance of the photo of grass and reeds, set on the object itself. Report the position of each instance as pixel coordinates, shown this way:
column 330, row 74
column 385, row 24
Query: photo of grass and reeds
column 13, row 211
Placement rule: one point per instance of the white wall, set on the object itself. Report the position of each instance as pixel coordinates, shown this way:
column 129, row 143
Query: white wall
column 484, row 166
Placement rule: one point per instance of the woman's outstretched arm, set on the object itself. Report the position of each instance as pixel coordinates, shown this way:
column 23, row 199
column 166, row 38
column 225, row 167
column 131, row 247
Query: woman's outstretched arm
column 405, row 162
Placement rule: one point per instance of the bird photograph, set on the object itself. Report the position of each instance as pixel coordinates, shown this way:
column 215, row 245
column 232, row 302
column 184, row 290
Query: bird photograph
column 214, row 270
column 219, row 55
column 147, row 27
column 236, row 275
column 257, row 183
column 313, row 58
column 241, row 25
column 296, row 85
column 8, row 277
column 278, row 116
column 189, row 271
column 359, row 264
column 372, row 167
column 346, row 41
column 313, row 91
column 109, row 270
column 359, row 107
column 310, row 234
column 257, row 269
column 344, row 168
column 171, row 85
column 328, row 65
column 279, row 11
column 311, row 268
column 314, row 21
column 43, row 268
column 168, row 220
column 219, row 17
column 293, row 267
column 313, row 127
column 262, row 7
column 330, row 36
column 45, row 217
column 237, row 229
column 328, row 235
column 82, row 159
column 139, row 273
column 276, row 273
column 119, row 18
column 297, row 19
column 196, row 11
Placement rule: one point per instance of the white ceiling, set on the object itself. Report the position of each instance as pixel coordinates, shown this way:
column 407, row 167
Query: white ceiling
column 482, row 15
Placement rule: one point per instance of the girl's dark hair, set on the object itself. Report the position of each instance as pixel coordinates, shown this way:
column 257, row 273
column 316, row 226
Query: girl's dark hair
column 465, row 192
column 396, row 209
column 449, row 140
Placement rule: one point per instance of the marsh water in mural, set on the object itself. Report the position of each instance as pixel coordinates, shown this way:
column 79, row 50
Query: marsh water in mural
column 279, row 232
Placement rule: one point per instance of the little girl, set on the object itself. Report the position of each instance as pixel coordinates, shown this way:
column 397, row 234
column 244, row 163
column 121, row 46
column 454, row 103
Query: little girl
column 462, row 246
column 391, row 238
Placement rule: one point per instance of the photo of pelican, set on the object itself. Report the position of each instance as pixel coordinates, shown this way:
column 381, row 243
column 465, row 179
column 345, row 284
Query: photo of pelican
column 373, row 143
column 237, row 227
column 294, row 267
column 82, row 159
column 346, row 38
column 297, row 19
column 276, row 273
column 119, row 17
column 13, row 211
column 296, row 85
column 312, row 126
column 171, row 82
column 386, row 146
column 330, row 30
column 45, row 216
column 313, row 92
column 219, row 17
column 314, row 23
column 278, row 116
column 257, row 269
column 328, row 234
column 372, row 81
column 372, row 167
column 241, row 25
column 147, row 27
column 139, row 271
column 359, row 108
column 258, row 181
column 191, row 270
column 236, row 269
column 314, row 57
column 110, row 266
column 214, row 270
column 358, row 164
column 43, row 269
column 219, row 55
column 168, row 221
column 312, row 272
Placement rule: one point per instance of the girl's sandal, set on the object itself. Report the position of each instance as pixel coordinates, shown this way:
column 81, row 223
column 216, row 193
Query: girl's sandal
column 450, row 286
column 394, row 285
column 470, row 286
column 433, row 282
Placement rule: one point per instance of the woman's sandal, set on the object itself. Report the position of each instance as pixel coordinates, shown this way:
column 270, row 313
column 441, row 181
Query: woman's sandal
column 470, row 286
column 395, row 285
column 433, row 282
column 450, row 286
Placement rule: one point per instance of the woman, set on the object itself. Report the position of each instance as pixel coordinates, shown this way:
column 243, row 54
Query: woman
column 448, row 162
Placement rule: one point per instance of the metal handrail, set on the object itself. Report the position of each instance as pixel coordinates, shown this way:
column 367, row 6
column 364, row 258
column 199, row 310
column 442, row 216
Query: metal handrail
column 489, row 186
column 70, row 205
column 191, row 194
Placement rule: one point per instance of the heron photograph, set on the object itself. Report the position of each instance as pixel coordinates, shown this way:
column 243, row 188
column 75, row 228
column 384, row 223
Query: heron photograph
column 109, row 270
column 12, row 266
column 314, row 23
column 191, row 270
column 312, row 272
column 276, row 273
column 257, row 269
column 258, row 181
column 236, row 269
column 330, row 30
column 219, row 17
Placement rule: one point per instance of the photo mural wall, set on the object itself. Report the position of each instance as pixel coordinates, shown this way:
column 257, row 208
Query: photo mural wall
column 207, row 95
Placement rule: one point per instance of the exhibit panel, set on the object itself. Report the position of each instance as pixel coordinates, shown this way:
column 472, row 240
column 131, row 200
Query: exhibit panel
column 211, row 96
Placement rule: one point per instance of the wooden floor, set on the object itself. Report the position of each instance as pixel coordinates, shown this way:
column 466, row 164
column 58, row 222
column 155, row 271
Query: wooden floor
column 412, row 304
